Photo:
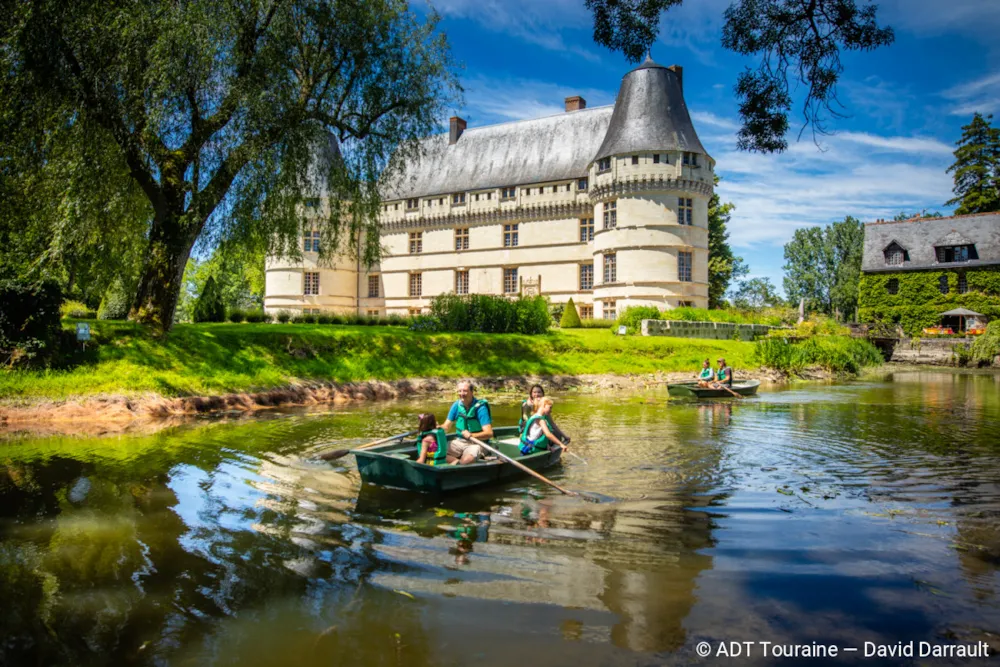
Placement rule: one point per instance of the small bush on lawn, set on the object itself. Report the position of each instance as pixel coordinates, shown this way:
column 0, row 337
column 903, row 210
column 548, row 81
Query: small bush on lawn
column 284, row 316
column 76, row 310
column 209, row 306
column 395, row 320
column 424, row 323
column 236, row 316
column 633, row 316
column 324, row 318
column 257, row 316
column 597, row 324
column 570, row 318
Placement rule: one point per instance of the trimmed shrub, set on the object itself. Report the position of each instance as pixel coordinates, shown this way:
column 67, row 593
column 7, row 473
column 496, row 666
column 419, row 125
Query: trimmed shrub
column 76, row 310
column 236, row 316
column 116, row 301
column 209, row 306
column 29, row 323
column 324, row 318
column 424, row 323
column 597, row 324
column 257, row 316
column 395, row 320
column 487, row 313
column 284, row 316
column 633, row 316
column 570, row 318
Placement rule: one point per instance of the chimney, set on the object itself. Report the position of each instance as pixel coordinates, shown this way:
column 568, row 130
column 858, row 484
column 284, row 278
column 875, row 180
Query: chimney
column 456, row 128
column 679, row 71
column 575, row 103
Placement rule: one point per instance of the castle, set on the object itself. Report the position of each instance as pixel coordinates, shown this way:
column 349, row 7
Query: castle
column 607, row 205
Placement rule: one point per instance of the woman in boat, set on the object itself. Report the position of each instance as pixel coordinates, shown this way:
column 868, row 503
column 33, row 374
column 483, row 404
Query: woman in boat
column 538, row 433
column 706, row 375
column 433, row 442
column 724, row 375
column 528, row 408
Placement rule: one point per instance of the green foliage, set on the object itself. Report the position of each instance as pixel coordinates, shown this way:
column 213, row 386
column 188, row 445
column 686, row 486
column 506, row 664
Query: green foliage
column 833, row 353
column 756, row 294
column 823, row 265
column 789, row 37
column 236, row 315
column 76, row 310
column 632, row 316
column 977, row 168
column 770, row 316
column 723, row 266
column 986, row 347
column 487, row 313
column 209, row 307
column 919, row 303
column 257, row 316
column 116, row 301
column 596, row 324
column 29, row 323
column 570, row 318
column 284, row 316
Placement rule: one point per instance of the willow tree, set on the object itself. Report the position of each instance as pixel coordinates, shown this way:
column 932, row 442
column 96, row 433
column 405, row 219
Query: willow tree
column 221, row 118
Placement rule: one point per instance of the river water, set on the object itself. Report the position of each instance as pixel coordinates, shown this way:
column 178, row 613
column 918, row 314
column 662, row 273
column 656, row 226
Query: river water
column 837, row 514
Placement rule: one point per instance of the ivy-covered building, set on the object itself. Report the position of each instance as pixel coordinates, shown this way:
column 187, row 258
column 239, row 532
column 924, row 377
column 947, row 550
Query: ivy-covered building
column 914, row 270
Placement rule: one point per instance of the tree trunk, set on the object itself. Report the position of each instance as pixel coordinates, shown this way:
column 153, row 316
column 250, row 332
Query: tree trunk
column 170, row 245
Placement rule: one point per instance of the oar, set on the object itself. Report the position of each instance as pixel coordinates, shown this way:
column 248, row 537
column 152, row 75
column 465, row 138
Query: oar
column 523, row 468
column 731, row 391
column 339, row 453
column 575, row 456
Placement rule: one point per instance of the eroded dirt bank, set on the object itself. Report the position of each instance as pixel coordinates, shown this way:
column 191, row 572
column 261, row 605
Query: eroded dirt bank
column 115, row 413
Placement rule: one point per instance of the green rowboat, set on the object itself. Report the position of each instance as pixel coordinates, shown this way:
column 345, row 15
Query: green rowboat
column 395, row 465
column 692, row 390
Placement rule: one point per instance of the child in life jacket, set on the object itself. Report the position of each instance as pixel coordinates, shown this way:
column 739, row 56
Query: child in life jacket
column 433, row 441
column 538, row 433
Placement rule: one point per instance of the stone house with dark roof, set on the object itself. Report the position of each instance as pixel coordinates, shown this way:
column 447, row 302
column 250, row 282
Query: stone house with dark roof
column 607, row 205
column 913, row 270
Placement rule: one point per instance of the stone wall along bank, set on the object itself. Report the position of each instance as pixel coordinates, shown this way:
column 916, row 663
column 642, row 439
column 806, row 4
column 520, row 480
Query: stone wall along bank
column 710, row 330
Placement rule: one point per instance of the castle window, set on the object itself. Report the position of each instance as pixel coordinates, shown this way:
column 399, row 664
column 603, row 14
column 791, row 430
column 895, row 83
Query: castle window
column 373, row 313
column 510, row 236
column 892, row 287
column 685, row 304
column 685, row 211
column 943, row 284
column 687, row 158
column 395, row 207
column 507, row 193
column 568, row 186
column 462, row 239
column 586, row 230
column 610, row 214
column 963, row 286
column 310, row 241
column 586, row 311
column 587, row 276
column 310, row 283
column 414, row 312
column 416, row 243
column 656, row 158
column 510, row 281
column 894, row 254
column 610, row 310
column 684, row 266
column 441, row 201
column 416, row 284
column 690, row 159
column 635, row 159
column 581, row 184
column 477, row 196
column 489, row 195
column 461, row 282
column 412, row 204
column 603, row 165
column 957, row 253
column 372, row 287
column 610, row 268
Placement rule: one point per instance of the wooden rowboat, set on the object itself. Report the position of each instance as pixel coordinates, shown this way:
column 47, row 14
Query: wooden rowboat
column 395, row 465
column 692, row 390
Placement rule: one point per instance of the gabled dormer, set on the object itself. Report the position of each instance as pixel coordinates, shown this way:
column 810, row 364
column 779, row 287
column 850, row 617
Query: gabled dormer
column 895, row 254
column 954, row 247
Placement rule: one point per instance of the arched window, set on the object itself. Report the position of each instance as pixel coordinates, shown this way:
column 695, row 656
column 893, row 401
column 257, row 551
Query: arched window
column 943, row 284
column 892, row 286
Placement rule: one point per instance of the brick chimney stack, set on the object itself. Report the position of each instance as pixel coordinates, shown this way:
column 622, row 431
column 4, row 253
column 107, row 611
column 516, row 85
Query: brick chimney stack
column 679, row 71
column 575, row 103
column 456, row 128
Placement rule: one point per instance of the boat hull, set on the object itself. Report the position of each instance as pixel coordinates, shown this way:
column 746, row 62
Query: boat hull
column 692, row 390
column 394, row 465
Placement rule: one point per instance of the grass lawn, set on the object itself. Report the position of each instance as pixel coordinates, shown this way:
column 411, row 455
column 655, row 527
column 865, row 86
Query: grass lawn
column 206, row 359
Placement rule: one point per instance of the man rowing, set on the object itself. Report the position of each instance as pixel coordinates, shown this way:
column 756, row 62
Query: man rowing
column 723, row 376
column 470, row 417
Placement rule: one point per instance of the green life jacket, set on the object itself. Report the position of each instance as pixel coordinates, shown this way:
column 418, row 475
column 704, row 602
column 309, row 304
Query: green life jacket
column 721, row 375
column 467, row 420
column 524, row 417
column 541, row 443
column 438, row 456
column 706, row 374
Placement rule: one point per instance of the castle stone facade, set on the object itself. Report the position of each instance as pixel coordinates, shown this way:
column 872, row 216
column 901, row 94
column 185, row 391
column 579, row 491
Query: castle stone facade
column 607, row 205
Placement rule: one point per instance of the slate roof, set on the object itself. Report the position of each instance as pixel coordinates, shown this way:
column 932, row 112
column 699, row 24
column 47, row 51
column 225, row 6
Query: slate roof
column 919, row 236
column 648, row 115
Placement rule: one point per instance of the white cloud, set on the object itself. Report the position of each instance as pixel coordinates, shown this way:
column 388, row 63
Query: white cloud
column 897, row 144
column 982, row 95
column 498, row 99
column 975, row 18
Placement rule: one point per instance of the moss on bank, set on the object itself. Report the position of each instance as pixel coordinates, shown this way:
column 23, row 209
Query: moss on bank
column 212, row 359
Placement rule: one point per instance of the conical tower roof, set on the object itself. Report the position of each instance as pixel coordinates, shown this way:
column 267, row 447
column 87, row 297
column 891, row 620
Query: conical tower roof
column 650, row 114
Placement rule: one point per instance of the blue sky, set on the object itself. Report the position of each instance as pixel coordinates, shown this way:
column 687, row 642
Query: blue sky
column 906, row 104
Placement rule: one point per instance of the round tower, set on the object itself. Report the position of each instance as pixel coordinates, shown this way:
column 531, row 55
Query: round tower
column 652, row 181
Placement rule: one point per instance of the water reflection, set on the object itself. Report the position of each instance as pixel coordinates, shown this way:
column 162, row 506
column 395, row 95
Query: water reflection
column 849, row 512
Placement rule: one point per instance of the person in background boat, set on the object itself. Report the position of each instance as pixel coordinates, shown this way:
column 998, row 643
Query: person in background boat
column 433, row 442
column 470, row 416
column 723, row 376
column 706, row 375
column 538, row 435
column 530, row 404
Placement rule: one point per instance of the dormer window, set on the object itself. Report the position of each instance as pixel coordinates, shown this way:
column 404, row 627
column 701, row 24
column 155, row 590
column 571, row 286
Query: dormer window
column 956, row 253
column 895, row 254
column 604, row 165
